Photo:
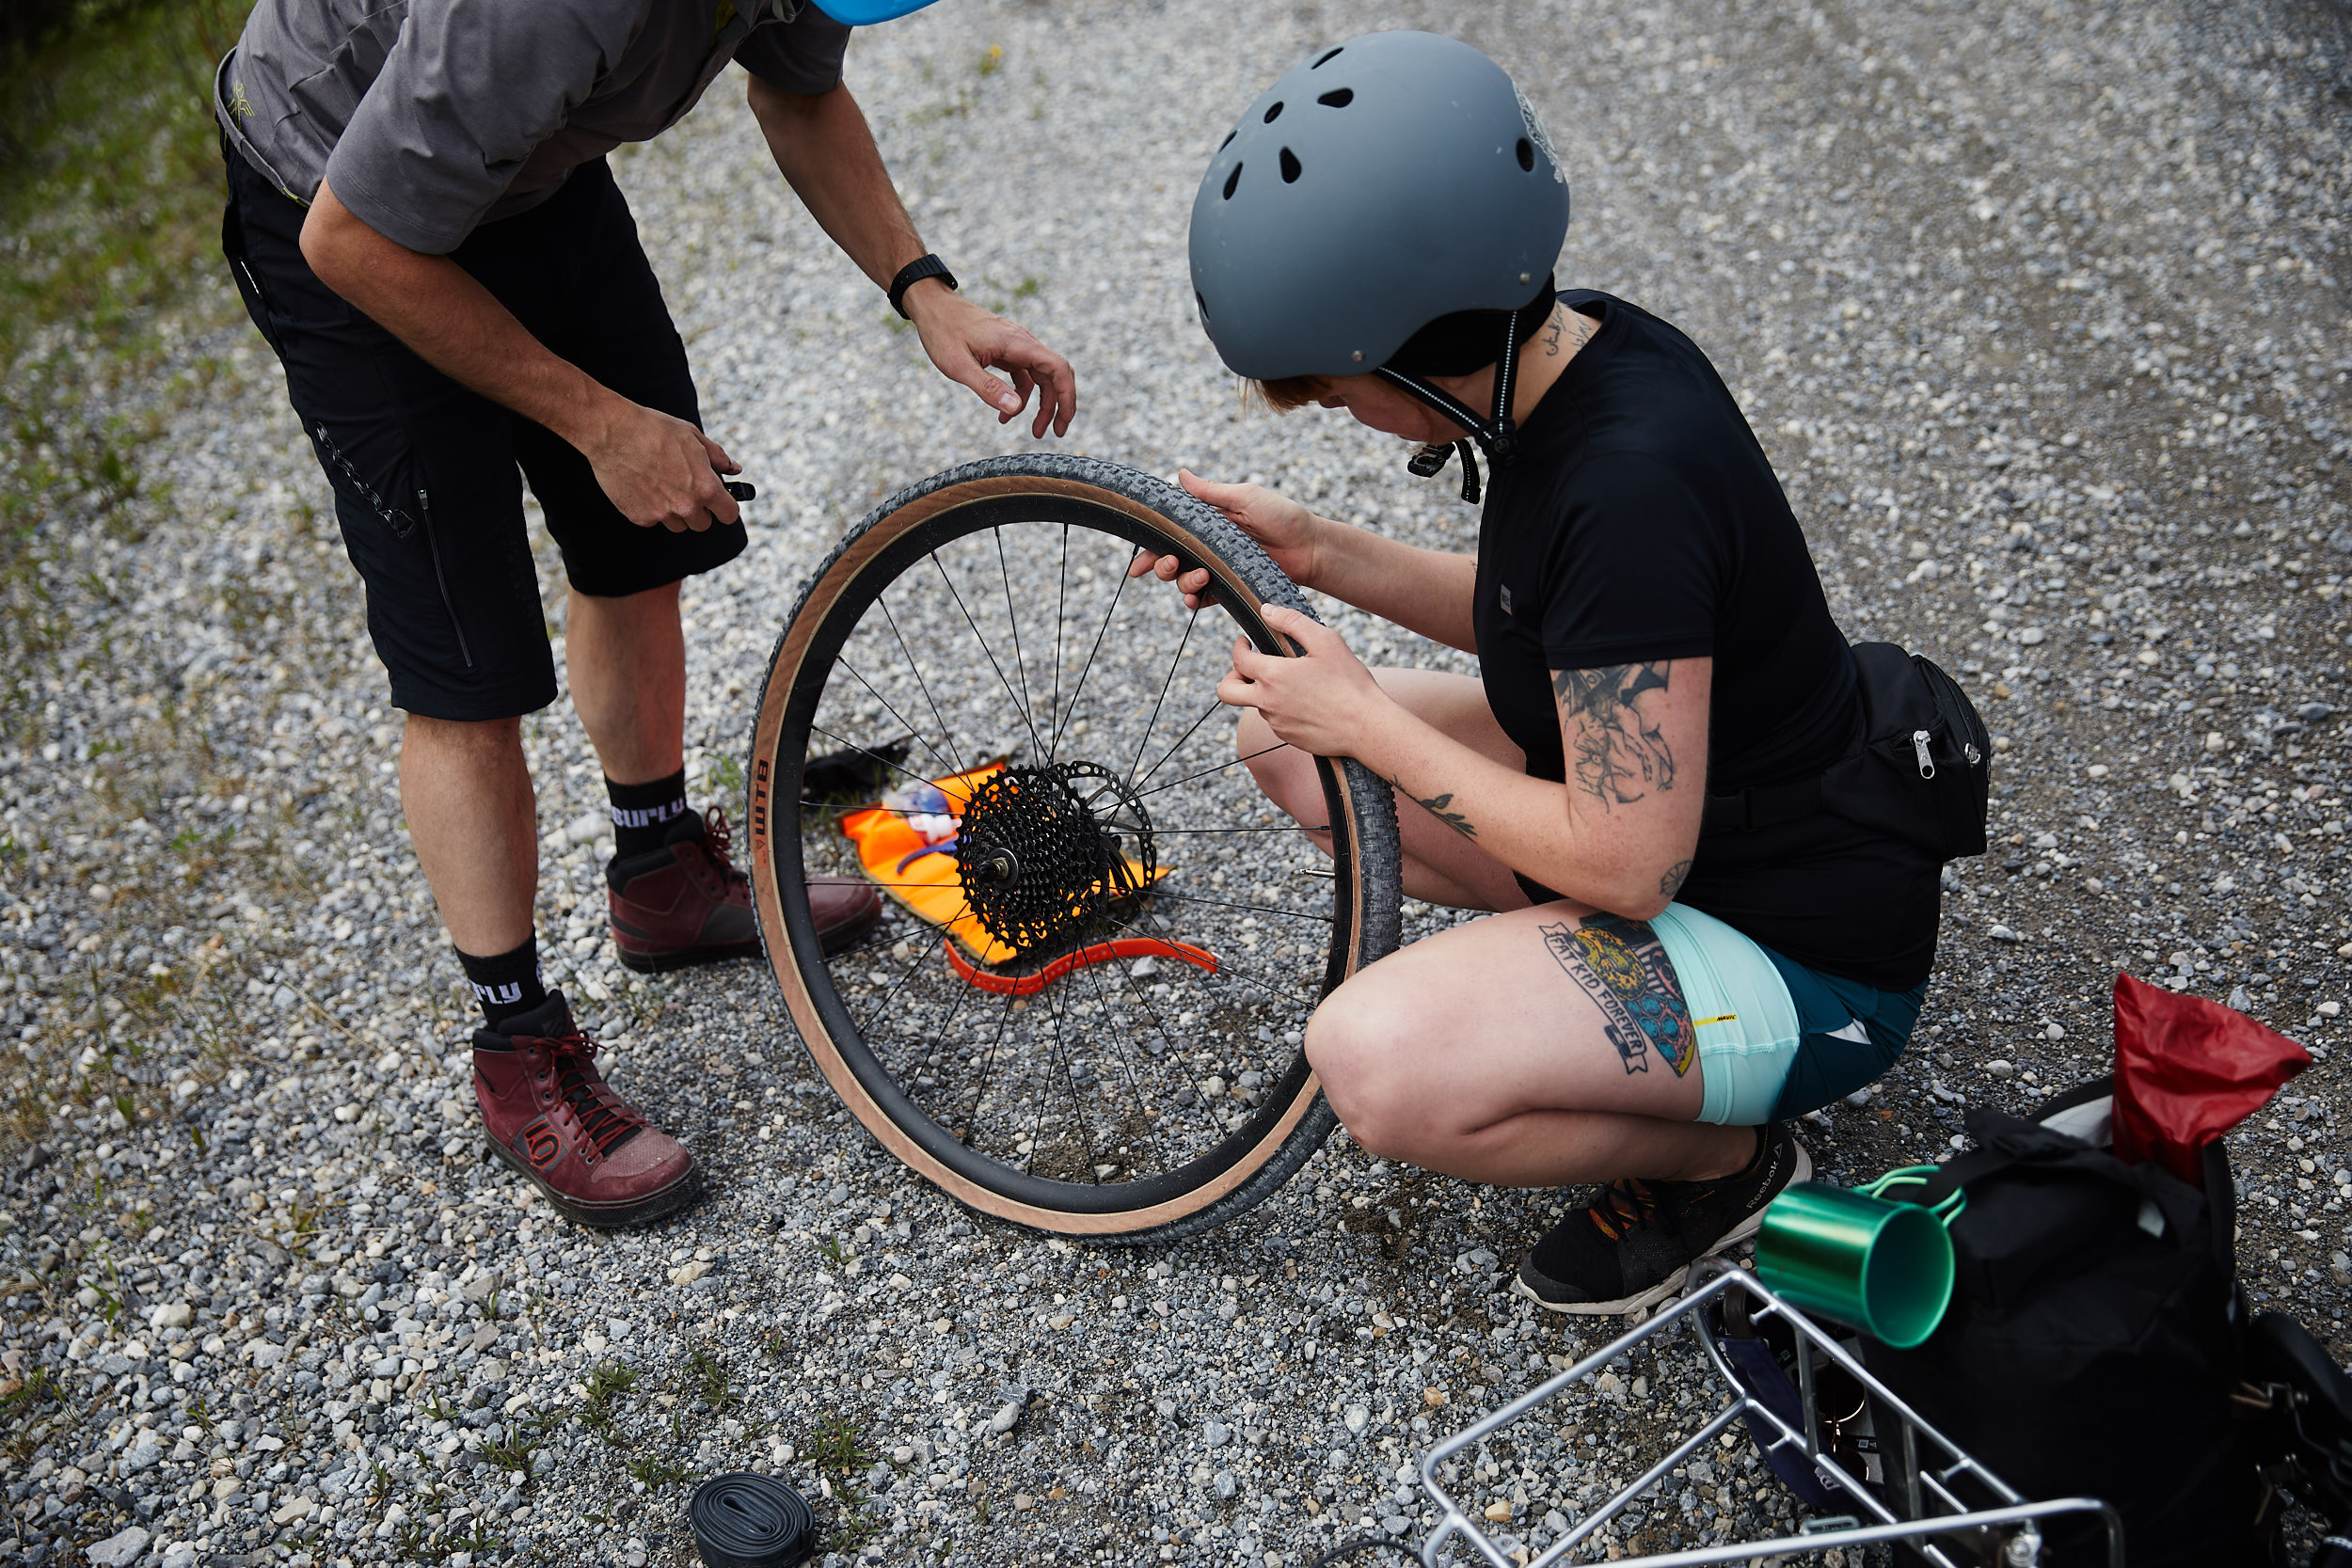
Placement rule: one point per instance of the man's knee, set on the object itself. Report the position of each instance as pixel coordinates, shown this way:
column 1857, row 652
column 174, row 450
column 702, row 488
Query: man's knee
column 468, row 738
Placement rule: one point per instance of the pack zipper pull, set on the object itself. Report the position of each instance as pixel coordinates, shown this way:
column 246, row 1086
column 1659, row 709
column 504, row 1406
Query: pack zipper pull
column 1919, row 745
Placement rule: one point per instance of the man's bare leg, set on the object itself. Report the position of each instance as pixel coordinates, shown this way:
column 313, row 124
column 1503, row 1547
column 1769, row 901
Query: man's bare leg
column 627, row 657
column 466, row 794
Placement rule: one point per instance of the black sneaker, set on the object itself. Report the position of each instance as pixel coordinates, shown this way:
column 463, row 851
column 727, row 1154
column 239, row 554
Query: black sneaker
column 1632, row 1248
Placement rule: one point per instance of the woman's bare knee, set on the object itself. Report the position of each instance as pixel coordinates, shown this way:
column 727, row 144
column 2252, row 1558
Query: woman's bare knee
column 1363, row 1054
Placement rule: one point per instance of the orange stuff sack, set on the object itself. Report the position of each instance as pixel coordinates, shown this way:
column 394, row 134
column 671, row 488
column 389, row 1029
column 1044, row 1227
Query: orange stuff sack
column 919, row 870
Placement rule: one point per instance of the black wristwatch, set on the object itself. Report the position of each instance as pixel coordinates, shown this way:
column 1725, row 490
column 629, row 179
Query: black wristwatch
column 913, row 273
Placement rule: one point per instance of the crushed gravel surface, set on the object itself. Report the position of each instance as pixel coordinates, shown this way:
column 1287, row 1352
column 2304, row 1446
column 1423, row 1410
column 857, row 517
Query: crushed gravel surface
column 2038, row 308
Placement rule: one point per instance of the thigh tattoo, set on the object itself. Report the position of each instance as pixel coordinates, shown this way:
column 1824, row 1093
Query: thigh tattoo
column 1622, row 966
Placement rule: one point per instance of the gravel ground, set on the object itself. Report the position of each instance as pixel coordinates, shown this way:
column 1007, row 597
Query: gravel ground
column 2040, row 308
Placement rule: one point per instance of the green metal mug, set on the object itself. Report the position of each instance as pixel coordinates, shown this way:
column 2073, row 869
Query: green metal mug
column 1882, row 1267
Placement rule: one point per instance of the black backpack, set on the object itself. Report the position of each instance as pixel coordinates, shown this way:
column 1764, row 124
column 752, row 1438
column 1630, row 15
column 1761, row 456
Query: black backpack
column 2094, row 1340
column 1922, row 771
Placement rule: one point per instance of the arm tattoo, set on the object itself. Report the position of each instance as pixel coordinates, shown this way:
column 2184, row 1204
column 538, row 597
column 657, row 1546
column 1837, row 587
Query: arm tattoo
column 1621, row 754
column 1676, row 874
column 1437, row 807
column 1622, row 966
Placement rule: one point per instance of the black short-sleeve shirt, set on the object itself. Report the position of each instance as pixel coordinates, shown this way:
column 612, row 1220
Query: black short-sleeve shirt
column 1641, row 521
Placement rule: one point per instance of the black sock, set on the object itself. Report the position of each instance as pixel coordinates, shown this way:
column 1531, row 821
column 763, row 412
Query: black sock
column 508, row 984
column 642, row 813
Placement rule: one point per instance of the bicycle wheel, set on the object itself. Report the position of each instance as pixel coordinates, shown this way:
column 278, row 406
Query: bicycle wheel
column 1091, row 1023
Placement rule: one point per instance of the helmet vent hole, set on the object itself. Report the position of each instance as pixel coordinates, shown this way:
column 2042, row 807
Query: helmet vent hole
column 1338, row 98
column 1274, row 113
column 1228, row 141
column 1326, row 57
column 1527, row 155
column 1290, row 167
column 1230, row 180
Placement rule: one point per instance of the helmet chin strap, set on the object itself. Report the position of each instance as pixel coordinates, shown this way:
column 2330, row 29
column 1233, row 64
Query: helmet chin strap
column 1497, row 435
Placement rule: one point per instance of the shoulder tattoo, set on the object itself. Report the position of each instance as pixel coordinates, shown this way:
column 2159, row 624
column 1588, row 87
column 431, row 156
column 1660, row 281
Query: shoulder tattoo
column 1622, row 966
column 1621, row 752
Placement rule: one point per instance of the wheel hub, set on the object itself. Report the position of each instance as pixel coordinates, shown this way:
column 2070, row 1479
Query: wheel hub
column 1049, row 854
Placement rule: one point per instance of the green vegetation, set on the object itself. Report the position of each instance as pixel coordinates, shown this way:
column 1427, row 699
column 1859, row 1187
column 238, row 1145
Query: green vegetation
column 109, row 211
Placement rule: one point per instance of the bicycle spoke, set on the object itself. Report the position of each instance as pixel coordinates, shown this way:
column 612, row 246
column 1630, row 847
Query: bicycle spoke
column 1143, row 999
column 1119, row 586
column 912, row 733
column 861, row 751
column 1025, row 719
column 1221, row 768
column 1158, row 831
column 1182, row 643
column 1224, row 904
column 1070, row 1081
column 1216, row 707
column 914, row 963
column 1012, row 620
column 915, row 667
column 1061, row 603
column 1225, row 968
column 988, row 1068
column 1127, row 1062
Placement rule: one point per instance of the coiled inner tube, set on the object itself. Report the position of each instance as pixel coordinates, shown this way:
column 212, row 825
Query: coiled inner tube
column 743, row 1520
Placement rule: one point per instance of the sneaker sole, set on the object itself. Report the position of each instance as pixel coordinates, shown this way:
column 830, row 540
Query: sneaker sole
column 1673, row 1282
column 608, row 1217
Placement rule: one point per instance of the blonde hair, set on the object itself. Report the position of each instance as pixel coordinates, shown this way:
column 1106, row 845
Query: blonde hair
column 1283, row 393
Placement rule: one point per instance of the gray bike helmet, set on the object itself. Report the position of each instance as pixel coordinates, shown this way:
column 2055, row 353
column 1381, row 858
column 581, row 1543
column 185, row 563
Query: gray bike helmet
column 1397, row 178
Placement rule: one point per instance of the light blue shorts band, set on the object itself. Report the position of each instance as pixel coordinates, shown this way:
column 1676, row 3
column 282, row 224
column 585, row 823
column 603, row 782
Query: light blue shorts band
column 1740, row 1007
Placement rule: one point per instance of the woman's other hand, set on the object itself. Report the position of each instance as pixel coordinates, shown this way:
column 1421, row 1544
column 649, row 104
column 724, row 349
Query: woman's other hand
column 1283, row 528
column 1324, row 701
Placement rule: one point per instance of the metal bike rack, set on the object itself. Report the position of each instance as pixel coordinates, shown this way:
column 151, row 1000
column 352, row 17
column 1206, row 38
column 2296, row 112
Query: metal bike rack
column 1924, row 1507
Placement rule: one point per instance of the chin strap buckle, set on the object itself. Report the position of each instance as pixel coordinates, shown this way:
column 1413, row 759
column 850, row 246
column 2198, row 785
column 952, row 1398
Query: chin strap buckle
column 1498, row 434
column 1430, row 459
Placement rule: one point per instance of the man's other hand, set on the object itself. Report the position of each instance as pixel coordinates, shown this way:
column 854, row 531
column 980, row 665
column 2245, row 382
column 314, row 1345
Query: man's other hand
column 967, row 343
column 661, row 470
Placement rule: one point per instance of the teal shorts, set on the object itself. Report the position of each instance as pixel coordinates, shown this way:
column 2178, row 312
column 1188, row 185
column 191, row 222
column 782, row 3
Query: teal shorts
column 1777, row 1040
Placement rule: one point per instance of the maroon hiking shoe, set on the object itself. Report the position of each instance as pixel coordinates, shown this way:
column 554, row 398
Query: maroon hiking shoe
column 552, row 1116
column 686, row 903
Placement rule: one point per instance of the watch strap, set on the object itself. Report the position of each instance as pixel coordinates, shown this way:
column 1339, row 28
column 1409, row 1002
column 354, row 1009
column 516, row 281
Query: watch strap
column 913, row 273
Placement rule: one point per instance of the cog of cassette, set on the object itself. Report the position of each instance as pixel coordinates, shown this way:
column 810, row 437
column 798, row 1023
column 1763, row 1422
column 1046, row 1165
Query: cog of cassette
column 1050, row 855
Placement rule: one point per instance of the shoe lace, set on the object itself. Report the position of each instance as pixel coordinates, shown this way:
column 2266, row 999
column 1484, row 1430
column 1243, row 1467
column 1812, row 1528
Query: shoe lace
column 718, row 842
column 607, row 1118
column 1626, row 1206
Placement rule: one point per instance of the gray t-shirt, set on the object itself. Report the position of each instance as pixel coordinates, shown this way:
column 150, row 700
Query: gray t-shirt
column 430, row 117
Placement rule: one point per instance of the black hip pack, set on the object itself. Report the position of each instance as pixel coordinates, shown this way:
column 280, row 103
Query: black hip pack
column 1923, row 772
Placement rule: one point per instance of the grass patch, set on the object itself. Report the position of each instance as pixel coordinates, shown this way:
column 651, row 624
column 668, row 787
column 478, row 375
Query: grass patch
column 110, row 197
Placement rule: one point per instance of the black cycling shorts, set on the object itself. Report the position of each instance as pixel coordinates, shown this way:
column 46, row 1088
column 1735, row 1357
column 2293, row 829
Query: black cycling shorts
column 425, row 472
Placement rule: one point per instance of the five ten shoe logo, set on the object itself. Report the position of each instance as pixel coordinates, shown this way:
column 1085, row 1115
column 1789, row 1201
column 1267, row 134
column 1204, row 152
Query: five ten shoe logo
column 540, row 1143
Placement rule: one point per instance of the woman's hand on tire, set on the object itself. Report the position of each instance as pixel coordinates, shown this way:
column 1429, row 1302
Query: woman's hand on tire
column 1283, row 528
column 1324, row 701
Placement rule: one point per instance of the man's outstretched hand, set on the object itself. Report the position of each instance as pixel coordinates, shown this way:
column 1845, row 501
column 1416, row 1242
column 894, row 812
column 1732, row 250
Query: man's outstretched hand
column 967, row 343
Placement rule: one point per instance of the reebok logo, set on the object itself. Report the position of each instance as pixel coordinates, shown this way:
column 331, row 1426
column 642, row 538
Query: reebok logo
column 647, row 817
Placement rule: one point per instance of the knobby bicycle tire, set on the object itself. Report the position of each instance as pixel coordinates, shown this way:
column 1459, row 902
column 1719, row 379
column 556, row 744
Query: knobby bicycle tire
column 915, row 542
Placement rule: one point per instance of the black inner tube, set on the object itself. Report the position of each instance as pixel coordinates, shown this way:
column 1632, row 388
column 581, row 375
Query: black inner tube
column 743, row 1520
